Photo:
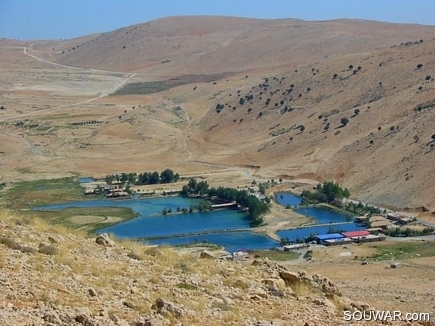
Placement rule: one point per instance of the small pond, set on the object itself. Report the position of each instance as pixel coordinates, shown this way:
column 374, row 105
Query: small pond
column 324, row 215
column 86, row 180
column 286, row 198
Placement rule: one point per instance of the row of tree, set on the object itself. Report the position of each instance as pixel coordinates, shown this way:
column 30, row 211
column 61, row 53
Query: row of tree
column 145, row 178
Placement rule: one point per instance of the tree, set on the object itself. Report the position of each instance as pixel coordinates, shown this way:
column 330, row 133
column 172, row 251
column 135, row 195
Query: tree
column 350, row 67
column 242, row 101
column 335, row 76
column 428, row 78
column 356, row 112
column 154, row 178
column 167, row 176
column 433, row 137
column 344, row 121
column 301, row 128
column 192, row 185
column 419, row 66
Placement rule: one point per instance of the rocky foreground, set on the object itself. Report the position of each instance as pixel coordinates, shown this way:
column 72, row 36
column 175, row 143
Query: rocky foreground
column 52, row 276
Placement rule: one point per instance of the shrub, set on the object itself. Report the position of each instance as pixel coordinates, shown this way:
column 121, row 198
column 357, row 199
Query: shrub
column 134, row 256
column 10, row 243
column 419, row 66
column 344, row 121
column 428, row 78
column 48, row 250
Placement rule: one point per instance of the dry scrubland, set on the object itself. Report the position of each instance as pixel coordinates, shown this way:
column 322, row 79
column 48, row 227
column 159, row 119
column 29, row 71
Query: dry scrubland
column 168, row 95
column 50, row 275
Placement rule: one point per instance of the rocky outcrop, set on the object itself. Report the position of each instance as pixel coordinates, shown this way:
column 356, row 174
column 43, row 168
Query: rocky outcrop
column 104, row 240
column 167, row 308
column 313, row 283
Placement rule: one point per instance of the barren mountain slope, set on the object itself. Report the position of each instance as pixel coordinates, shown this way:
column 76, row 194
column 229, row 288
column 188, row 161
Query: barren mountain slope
column 225, row 44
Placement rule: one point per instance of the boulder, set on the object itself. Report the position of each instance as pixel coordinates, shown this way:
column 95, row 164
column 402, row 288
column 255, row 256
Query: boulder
column 167, row 308
column 104, row 240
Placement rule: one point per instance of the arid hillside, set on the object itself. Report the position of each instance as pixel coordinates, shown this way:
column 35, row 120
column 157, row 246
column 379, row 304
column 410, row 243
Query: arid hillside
column 52, row 276
column 236, row 99
column 186, row 45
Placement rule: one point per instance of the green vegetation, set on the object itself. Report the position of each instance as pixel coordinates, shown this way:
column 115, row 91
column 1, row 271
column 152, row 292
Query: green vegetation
column 185, row 286
column 329, row 192
column 408, row 232
column 255, row 207
column 424, row 106
column 344, row 121
column 87, row 218
column 145, row 178
column 280, row 131
column 361, row 209
column 404, row 250
column 308, row 255
column 276, row 255
column 43, row 192
column 150, row 87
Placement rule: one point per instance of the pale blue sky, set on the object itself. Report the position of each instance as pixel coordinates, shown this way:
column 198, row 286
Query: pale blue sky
column 60, row 19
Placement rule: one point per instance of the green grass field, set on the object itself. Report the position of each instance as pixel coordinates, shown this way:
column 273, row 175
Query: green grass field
column 27, row 194
column 87, row 218
column 404, row 250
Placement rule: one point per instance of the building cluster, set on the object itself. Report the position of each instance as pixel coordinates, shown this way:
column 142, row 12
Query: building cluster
column 348, row 237
column 379, row 223
column 111, row 191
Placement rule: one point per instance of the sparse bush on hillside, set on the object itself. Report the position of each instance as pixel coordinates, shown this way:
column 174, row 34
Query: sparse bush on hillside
column 350, row 67
column 48, row 250
column 242, row 101
column 356, row 112
column 419, row 66
column 335, row 76
column 344, row 121
column 428, row 78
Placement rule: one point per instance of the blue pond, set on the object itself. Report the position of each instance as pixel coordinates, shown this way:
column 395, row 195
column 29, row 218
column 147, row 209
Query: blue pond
column 285, row 198
column 86, row 180
column 324, row 215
